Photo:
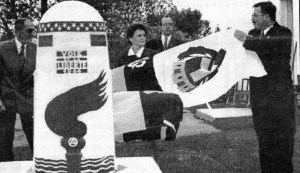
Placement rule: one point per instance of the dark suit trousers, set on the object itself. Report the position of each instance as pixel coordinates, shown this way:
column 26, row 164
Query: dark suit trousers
column 7, row 124
column 275, row 128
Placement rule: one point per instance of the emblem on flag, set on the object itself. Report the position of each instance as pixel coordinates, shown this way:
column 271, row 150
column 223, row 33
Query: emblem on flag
column 196, row 66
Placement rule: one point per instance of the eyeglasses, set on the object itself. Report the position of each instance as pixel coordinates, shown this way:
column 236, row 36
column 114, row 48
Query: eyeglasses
column 167, row 24
column 30, row 30
column 256, row 15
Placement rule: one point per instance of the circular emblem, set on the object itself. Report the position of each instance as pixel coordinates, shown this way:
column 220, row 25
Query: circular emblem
column 73, row 142
column 196, row 66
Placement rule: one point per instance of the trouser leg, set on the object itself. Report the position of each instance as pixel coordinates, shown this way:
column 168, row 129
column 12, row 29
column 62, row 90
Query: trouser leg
column 275, row 130
column 7, row 124
column 27, row 124
column 276, row 155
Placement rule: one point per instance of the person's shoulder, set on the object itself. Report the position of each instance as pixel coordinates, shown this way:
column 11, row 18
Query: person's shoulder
column 180, row 41
column 32, row 44
column 6, row 44
column 283, row 29
column 150, row 52
column 253, row 31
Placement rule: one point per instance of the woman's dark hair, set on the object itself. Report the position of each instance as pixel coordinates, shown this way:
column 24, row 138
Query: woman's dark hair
column 132, row 28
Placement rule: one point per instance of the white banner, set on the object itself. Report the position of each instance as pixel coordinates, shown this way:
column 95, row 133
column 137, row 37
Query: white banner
column 203, row 70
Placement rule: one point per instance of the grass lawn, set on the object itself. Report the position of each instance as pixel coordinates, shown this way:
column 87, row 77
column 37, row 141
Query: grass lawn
column 233, row 150
column 229, row 151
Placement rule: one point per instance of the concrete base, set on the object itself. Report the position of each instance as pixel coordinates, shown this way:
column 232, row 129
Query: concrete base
column 227, row 118
column 124, row 165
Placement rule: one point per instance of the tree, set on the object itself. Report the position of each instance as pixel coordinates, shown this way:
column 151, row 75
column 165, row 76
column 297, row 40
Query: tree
column 191, row 23
column 118, row 14
column 10, row 10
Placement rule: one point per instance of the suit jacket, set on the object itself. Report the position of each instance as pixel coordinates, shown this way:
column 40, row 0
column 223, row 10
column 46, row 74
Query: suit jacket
column 141, row 78
column 156, row 43
column 274, row 52
column 20, row 74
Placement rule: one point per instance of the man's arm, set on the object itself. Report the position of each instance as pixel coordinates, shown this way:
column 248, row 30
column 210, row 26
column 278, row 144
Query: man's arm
column 250, row 42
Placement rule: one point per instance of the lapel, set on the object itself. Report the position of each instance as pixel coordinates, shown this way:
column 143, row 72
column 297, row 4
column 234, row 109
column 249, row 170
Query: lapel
column 145, row 53
column 159, row 44
column 12, row 48
column 172, row 42
column 148, row 53
column 29, row 65
column 11, row 56
column 273, row 31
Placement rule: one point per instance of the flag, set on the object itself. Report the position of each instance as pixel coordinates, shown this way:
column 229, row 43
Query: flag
column 199, row 71
column 138, row 75
column 203, row 70
column 138, row 110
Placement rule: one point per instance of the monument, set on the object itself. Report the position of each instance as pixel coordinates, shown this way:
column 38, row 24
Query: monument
column 73, row 122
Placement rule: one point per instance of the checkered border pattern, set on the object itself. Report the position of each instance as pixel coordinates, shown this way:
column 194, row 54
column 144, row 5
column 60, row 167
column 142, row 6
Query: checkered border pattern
column 72, row 27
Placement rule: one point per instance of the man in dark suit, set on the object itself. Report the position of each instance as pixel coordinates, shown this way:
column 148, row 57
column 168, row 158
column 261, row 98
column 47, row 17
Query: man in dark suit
column 161, row 43
column 17, row 64
column 272, row 98
column 166, row 40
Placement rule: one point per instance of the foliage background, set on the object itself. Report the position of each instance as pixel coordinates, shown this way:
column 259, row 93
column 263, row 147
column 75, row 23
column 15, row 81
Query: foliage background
column 118, row 14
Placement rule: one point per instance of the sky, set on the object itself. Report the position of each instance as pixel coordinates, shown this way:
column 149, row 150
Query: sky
column 225, row 13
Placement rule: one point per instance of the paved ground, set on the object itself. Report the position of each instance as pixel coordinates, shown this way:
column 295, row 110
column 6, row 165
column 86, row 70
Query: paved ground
column 190, row 126
column 20, row 139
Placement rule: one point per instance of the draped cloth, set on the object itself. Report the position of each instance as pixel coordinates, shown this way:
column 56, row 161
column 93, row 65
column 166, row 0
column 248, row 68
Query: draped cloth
column 215, row 76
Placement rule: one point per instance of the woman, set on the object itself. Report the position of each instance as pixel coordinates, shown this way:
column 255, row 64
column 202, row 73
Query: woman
column 141, row 72
column 139, row 61
column 136, row 35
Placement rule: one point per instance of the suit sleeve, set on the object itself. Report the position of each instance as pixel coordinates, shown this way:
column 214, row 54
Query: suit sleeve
column 179, row 42
column 274, row 45
column 150, row 44
column 284, row 41
column 251, row 42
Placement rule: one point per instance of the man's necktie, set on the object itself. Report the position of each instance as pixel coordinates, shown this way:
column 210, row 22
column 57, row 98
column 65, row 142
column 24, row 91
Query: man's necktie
column 262, row 34
column 22, row 51
column 166, row 43
column 22, row 59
